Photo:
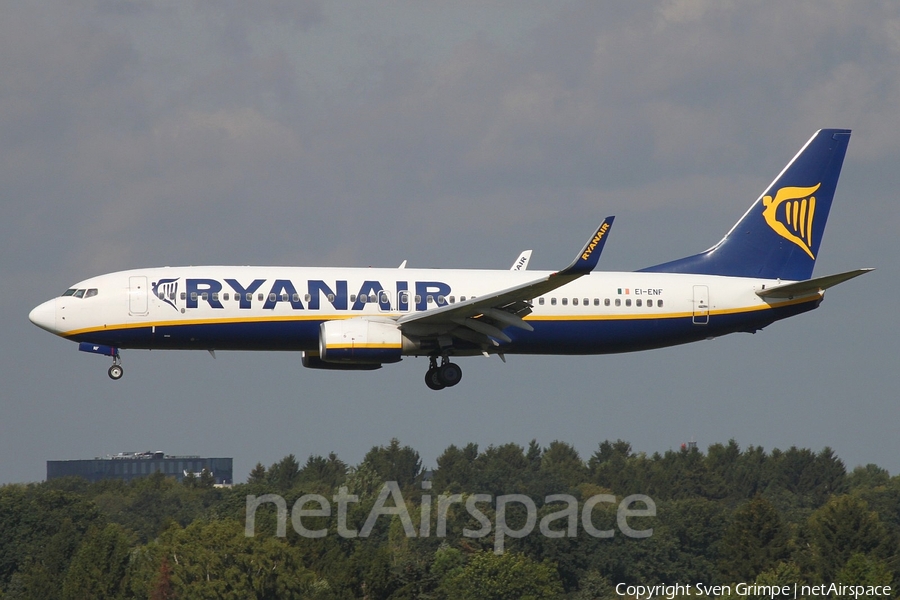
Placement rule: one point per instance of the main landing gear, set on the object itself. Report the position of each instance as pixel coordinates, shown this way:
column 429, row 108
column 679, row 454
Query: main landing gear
column 447, row 374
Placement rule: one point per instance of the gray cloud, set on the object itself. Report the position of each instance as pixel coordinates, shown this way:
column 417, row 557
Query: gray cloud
column 139, row 133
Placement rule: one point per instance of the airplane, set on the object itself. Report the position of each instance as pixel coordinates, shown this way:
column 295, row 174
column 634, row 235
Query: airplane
column 363, row 318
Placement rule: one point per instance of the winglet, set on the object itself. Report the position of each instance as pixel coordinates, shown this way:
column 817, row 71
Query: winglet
column 522, row 262
column 590, row 254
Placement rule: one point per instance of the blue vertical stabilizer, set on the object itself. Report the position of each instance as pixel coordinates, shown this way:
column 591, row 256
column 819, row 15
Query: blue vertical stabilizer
column 779, row 237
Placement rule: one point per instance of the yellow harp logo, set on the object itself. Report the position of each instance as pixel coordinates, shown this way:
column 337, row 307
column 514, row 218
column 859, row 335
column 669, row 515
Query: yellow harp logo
column 795, row 221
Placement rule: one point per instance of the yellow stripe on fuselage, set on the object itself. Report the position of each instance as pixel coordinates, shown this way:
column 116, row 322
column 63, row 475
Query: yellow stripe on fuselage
column 319, row 317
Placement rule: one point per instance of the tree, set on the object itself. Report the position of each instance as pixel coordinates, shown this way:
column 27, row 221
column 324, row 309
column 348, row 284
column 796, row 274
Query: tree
column 215, row 559
column 505, row 576
column 395, row 463
column 865, row 570
column 330, row 472
column 456, row 468
column 99, row 567
column 843, row 527
column 257, row 475
column 755, row 541
column 284, row 474
column 563, row 463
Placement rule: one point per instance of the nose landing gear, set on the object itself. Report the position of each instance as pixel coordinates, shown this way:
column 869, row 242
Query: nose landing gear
column 447, row 374
column 116, row 371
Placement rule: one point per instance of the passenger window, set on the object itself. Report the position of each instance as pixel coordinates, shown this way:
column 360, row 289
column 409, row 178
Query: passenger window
column 249, row 296
column 575, row 301
column 372, row 298
column 384, row 298
column 452, row 299
column 296, row 297
column 565, row 301
column 259, row 296
column 305, row 297
column 618, row 302
column 193, row 296
column 363, row 298
column 352, row 297
column 430, row 299
column 330, row 297
column 404, row 297
column 597, row 302
column 552, row 301
column 226, row 296
column 637, row 302
column 441, row 300
column 462, row 298
column 606, row 302
column 204, row 296
column 272, row 297
column 541, row 301
column 585, row 301
column 659, row 303
column 215, row 296
column 627, row 301
column 184, row 295
column 418, row 298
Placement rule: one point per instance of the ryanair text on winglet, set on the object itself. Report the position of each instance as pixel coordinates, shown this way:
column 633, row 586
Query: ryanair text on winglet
column 596, row 240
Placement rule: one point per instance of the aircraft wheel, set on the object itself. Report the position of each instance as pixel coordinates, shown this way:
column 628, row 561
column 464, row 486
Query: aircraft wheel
column 116, row 372
column 449, row 374
column 433, row 381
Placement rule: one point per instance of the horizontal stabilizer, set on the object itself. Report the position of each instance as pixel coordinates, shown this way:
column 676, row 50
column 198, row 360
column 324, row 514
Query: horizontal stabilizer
column 810, row 286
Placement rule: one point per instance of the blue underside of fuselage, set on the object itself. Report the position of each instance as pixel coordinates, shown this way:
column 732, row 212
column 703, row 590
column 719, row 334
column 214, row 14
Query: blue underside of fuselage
column 590, row 336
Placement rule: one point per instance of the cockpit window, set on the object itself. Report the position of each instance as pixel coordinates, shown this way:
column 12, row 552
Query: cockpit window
column 90, row 293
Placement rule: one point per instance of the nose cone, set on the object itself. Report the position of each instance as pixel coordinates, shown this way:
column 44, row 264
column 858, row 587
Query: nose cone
column 44, row 316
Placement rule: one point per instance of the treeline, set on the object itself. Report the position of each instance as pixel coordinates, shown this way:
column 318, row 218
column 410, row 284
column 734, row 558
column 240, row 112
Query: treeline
column 725, row 516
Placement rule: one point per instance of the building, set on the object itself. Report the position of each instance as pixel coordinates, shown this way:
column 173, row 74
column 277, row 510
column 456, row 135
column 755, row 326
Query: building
column 130, row 465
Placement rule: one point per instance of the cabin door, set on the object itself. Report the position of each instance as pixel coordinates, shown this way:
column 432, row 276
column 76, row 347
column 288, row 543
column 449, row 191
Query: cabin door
column 701, row 305
column 137, row 295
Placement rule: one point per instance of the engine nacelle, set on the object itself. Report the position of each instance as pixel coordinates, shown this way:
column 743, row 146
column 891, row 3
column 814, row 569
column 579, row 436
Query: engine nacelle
column 360, row 341
column 312, row 361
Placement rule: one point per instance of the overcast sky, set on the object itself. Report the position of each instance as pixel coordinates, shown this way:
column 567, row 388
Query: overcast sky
column 140, row 133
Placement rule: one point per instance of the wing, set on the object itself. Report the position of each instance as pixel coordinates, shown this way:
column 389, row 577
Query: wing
column 481, row 320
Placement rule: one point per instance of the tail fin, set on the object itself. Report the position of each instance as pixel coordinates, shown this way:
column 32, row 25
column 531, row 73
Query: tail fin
column 778, row 238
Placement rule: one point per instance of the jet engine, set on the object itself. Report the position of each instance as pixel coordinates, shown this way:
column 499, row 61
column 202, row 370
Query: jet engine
column 360, row 341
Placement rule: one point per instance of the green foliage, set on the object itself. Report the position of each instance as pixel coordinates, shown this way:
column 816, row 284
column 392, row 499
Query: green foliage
column 723, row 516
column 100, row 566
column 393, row 463
column 509, row 576
column 755, row 541
column 216, row 560
column 842, row 528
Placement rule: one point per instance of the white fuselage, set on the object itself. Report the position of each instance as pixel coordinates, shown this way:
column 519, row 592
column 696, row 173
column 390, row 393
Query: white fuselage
column 281, row 308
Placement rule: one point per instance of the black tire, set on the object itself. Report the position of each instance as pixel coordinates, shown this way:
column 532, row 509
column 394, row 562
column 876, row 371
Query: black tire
column 433, row 381
column 115, row 372
column 449, row 374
